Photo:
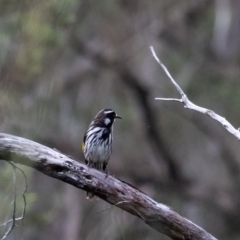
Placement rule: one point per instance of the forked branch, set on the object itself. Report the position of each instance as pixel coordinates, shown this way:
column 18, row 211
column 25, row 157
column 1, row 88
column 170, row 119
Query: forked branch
column 188, row 104
column 14, row 219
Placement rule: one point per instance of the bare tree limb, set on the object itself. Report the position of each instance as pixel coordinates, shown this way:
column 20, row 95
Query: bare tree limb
column 112, row 190
column 188, row 104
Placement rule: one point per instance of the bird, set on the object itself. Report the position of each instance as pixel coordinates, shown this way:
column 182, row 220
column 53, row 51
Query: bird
column 97, row 141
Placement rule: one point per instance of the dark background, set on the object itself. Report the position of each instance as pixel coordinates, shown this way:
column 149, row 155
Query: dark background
column 61, row 61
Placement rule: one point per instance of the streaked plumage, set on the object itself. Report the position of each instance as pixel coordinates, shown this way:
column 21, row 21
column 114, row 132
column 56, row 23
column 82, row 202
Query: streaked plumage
column 97, row 141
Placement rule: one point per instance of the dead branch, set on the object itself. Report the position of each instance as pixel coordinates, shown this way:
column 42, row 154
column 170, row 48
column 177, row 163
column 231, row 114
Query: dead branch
column 14, row 219
column 188, row 104
column 112, row 190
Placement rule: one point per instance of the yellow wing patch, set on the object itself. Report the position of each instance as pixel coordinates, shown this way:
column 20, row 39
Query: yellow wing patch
column 83, row 146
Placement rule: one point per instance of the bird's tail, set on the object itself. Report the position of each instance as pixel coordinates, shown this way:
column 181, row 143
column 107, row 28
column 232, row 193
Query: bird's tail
column 101, row 167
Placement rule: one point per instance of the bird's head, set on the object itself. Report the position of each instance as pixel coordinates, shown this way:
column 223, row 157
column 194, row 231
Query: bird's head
column 105, row 118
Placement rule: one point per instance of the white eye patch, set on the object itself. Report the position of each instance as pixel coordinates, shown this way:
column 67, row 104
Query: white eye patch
column 107, row 121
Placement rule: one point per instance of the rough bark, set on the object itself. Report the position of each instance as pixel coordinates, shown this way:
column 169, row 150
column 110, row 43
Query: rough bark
column 112, row 190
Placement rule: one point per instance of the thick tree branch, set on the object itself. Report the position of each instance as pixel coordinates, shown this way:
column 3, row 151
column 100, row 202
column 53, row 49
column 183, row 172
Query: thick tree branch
column 110, row 189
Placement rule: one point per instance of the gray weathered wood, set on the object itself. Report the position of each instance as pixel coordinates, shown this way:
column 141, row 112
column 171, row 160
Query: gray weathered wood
column 114, row 191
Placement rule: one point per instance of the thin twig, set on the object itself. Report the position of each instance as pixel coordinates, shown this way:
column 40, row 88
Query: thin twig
column 119, row 204
column 14, row 203
column 167, row 72
column 112, row 206
column 14, row 219
column 188, row 104
column 170, row 99
column 23, row 192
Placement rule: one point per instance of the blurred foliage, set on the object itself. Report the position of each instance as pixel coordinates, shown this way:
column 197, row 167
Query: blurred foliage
column 61, row 61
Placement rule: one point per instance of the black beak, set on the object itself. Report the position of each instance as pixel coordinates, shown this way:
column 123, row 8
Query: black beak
column 118, row 117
